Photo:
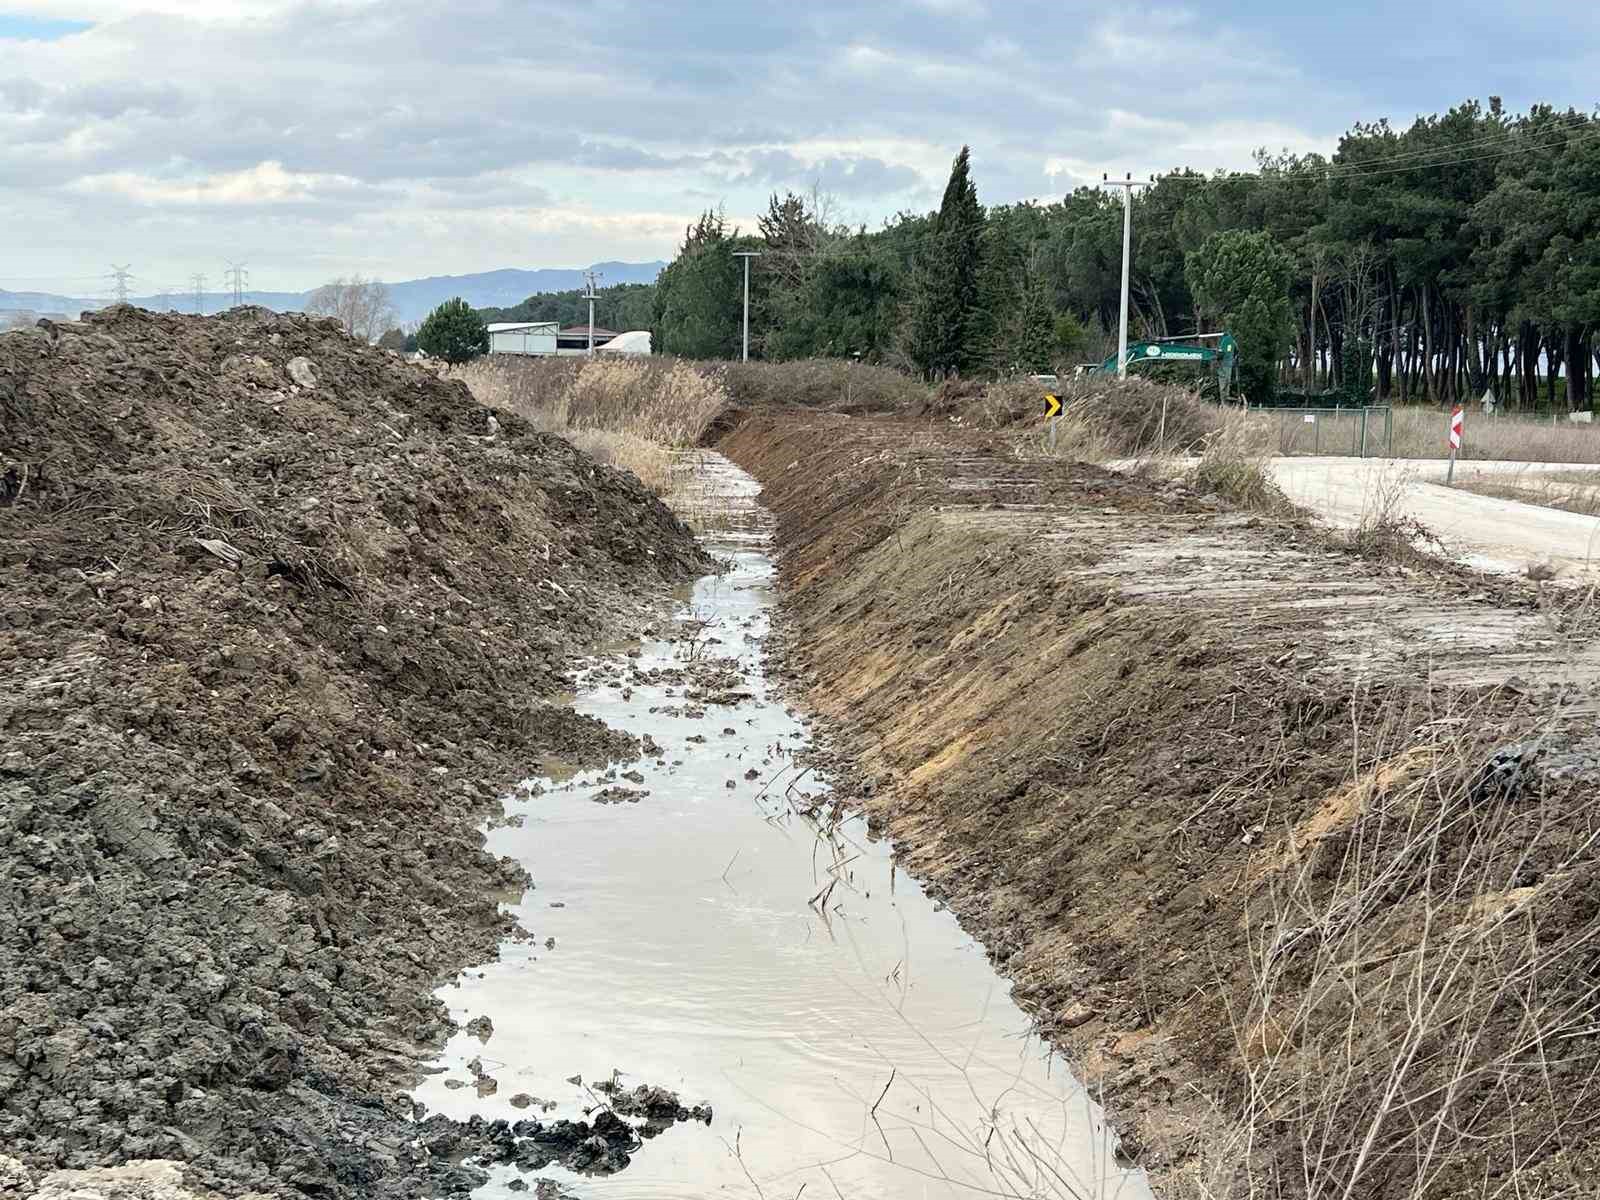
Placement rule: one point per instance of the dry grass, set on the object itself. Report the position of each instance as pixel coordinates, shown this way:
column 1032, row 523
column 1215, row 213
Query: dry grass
column 1570, row 491
column 1414, row 1029
column 1421, row 433
column 1104, row 420
column 1234, row 465
column 1385, row 531
column 630, row 413
column 649, row 461
column 835, row 384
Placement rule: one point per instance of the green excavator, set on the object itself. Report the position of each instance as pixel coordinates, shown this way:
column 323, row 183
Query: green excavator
column 1219, row 358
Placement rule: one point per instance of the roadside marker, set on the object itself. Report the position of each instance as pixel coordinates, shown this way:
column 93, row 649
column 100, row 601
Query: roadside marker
column 1052, row 410
column 1456, row 420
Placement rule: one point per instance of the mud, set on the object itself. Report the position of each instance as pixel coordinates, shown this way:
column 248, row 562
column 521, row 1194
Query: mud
column 1158, row 756
column 279, row 619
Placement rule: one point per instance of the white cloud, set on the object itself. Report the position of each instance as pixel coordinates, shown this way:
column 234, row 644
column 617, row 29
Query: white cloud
column 399, row 138
column 265, row 183
column 200, row 11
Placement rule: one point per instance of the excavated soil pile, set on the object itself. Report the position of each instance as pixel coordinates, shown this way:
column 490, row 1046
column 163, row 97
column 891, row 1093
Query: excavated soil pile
column 276, row 614
column 1292, row 851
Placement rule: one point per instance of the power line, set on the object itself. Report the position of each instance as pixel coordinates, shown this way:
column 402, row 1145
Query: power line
column 1575, row 122
column 119, row 287
column 1336, row 172
column 238, row 276
column 199, row 282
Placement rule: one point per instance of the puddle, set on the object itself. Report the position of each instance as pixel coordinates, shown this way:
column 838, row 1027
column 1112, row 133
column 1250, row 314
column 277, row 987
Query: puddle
column 711, row 939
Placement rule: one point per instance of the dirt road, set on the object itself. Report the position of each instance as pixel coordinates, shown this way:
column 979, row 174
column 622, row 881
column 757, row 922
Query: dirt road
column 1502, row 536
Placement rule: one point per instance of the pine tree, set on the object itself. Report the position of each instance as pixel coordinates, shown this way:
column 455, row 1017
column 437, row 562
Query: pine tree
column 454, row 332
column 943, row 311
column 1038, row 329
column 697, row 298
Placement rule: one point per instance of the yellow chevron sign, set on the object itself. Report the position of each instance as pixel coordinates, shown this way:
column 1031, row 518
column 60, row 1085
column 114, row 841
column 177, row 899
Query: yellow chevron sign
column 1052, row 406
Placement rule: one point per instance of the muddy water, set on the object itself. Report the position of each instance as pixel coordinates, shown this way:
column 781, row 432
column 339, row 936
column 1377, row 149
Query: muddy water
column 857, row 1044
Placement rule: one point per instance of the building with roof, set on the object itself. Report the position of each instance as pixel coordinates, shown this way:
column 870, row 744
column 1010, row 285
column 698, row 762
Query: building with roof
column 574, row 339
column 546, row 338
column 523, row 337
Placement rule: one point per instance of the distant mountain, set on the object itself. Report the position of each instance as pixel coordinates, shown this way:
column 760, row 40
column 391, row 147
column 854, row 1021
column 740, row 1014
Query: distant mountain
column 413, row 299
column 416, row 298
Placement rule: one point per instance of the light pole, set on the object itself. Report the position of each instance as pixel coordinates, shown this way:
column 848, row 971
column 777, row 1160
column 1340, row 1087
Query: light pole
column 1127, row 185
column 589, row 295
column 747, row 255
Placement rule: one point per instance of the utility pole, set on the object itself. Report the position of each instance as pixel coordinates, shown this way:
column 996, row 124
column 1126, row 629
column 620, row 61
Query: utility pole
column 589, row 295
column 199, row 282
column 236, row 274
column 1127, row 185
column 747, row 255
column 119, row 287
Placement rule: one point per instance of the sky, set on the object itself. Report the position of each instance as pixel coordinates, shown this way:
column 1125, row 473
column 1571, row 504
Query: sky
column 316, row 138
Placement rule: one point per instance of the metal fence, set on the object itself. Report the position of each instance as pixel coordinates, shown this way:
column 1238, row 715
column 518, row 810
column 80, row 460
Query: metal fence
column 1336, row 431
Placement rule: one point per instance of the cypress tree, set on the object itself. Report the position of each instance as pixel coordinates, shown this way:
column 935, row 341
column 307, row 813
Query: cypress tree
column 941, row 326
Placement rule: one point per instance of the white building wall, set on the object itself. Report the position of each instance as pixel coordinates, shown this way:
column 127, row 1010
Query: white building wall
column 533, row 339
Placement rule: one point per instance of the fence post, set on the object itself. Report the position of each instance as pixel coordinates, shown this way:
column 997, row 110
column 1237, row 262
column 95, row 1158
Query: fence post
column 1316, row 435
column 1364, row 411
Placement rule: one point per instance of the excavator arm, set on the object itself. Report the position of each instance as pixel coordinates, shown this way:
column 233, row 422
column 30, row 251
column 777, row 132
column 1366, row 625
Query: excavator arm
column 1219, row 358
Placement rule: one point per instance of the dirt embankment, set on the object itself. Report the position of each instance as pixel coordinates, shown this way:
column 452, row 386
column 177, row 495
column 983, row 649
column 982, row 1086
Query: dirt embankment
column 1294, row 852
column 277, row 612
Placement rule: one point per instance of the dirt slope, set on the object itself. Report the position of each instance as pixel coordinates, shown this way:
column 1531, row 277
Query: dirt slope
column 1293, row 852
column 276, row 614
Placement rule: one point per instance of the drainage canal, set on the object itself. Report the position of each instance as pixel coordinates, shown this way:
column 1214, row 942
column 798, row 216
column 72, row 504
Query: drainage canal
column 704, row 921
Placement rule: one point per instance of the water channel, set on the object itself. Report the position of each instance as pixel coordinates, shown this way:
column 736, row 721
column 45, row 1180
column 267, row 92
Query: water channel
column 852, row 1042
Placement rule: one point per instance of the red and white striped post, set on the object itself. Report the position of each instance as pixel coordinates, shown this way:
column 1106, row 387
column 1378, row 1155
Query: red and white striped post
column 1456, row 420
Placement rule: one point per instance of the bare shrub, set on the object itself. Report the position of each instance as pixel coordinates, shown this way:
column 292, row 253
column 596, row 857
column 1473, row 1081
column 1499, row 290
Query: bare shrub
column 1154, row 419
column 1413, row 1029
column 1234, row 465
column 1105, row 419
column 361, row 305
column 1385, row 530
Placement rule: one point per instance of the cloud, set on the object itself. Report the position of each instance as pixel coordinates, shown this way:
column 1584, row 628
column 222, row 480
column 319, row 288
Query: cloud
column 542, row 132
column 265, row 184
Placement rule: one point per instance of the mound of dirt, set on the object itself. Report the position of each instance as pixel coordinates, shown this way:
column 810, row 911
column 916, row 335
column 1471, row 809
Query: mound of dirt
column 277, row 611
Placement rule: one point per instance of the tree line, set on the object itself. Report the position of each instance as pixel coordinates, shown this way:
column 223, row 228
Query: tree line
column 621, row 307
column 1424, row 264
